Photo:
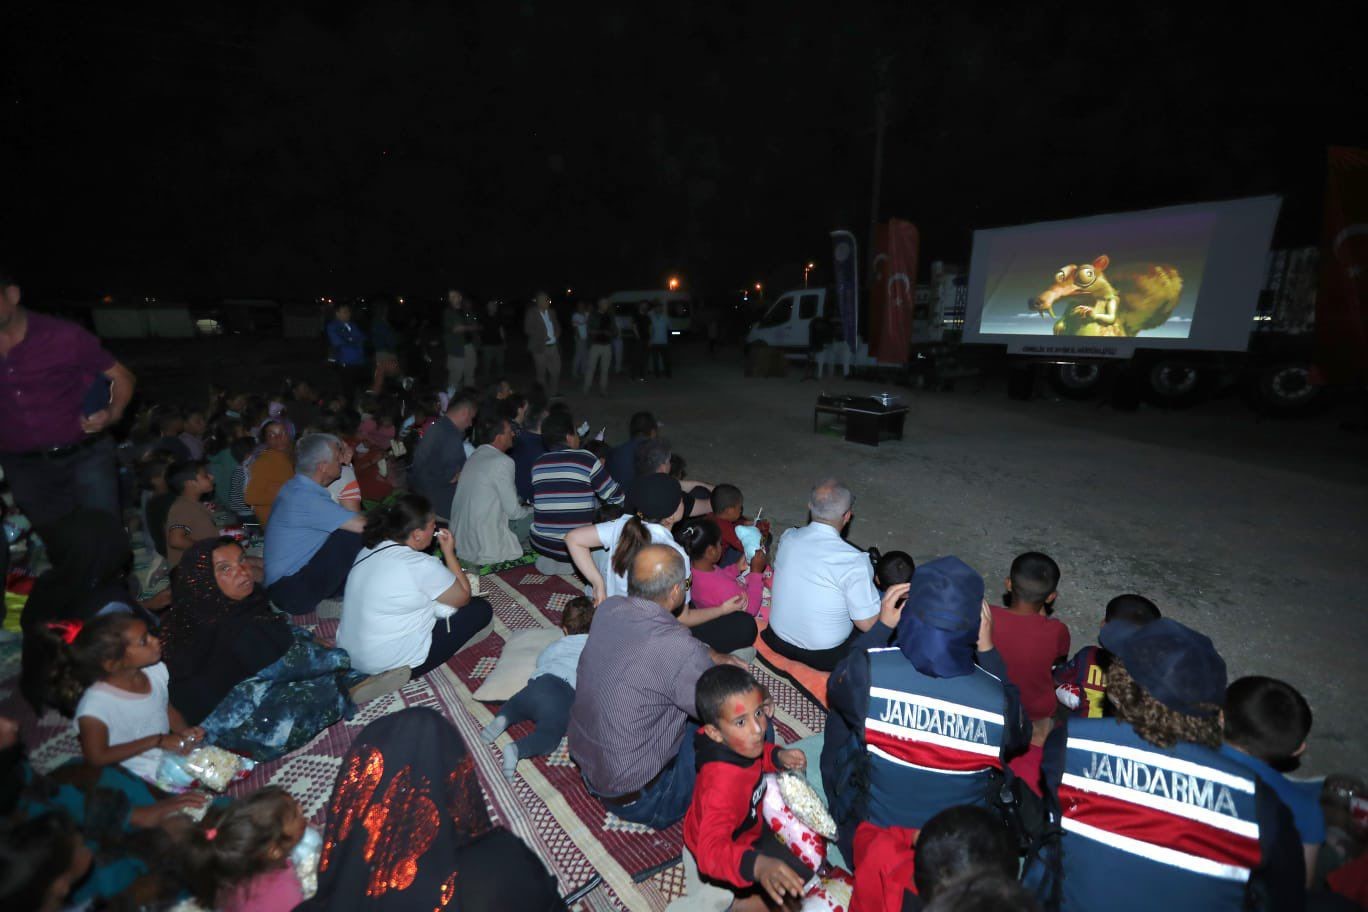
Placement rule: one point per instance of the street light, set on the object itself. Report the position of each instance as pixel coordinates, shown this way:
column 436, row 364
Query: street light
column 673, row 284
column 806, row 271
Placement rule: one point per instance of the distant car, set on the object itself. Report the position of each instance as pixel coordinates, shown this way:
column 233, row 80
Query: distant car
column 680, row 303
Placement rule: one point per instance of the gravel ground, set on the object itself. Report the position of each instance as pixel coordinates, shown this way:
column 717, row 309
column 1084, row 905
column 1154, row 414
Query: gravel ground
column 1250, row 531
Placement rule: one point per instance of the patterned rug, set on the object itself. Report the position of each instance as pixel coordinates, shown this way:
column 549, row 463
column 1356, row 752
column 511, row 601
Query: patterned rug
column 547, row 807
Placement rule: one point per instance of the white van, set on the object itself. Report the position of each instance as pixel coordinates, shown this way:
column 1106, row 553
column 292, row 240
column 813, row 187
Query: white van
column 785, row 324
column 680, row 304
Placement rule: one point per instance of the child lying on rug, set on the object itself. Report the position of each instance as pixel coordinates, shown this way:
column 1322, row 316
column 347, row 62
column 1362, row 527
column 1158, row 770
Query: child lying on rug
column 549, row 692
column 724, row 829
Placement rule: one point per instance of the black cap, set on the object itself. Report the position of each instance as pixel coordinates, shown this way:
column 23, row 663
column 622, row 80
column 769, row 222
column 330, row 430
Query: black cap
column 655, row 496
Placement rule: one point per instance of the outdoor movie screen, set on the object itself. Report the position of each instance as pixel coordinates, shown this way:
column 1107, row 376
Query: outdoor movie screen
column 1179, row 277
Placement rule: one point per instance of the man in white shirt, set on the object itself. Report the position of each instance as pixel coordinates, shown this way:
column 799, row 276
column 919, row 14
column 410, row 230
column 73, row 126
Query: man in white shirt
column 489, row 524
column 543, row 334
column 824, row 593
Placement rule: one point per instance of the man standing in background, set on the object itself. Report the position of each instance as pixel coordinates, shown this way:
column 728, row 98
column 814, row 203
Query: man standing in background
column 543, row 334
column 458, row 332
column 59, row 391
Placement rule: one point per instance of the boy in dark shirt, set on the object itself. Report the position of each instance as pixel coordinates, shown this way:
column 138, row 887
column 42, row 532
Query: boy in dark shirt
column 723, row 829
column 1082, row 681
column 1266, row 725
column 893, row 568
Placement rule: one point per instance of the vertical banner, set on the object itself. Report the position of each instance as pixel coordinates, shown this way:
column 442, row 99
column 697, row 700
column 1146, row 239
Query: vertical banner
column 845, row 255
column 893, row 291
column 1342, row 306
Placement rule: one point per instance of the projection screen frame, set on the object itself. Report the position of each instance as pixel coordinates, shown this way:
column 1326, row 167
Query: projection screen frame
column 1232, row 277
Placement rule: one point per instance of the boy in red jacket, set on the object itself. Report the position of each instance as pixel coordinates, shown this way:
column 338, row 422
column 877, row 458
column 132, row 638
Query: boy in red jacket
column 723, row 828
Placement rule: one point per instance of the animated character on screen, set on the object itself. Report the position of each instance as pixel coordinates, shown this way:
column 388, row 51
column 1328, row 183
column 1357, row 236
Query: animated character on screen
column 1136, row 298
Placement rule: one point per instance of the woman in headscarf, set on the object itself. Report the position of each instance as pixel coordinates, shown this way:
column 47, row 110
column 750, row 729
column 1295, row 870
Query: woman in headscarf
column 408, row 829
column 89, row 575
column 255, row 684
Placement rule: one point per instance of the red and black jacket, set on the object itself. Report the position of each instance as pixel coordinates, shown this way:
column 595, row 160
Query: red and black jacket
column 724, row 823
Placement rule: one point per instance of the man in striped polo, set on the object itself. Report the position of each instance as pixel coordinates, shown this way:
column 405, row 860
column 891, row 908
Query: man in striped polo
column 567, row 485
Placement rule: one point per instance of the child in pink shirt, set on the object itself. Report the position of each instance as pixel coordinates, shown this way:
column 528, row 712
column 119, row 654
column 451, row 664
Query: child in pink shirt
column 713, row 585
column 240, row 860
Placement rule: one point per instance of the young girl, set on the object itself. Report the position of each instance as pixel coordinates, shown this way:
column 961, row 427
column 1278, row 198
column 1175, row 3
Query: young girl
column 240, row 859
column 714, row 585
column 549, row 692
column 124, row 716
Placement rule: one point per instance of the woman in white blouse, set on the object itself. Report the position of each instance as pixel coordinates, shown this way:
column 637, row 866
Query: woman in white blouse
column 402, row 607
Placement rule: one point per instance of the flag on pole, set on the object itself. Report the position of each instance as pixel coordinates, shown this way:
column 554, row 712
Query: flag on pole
column 845, row 254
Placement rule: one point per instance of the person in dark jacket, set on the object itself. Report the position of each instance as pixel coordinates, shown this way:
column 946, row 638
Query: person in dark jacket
column 928, row 722
column 1146, row 797
column 408, row 828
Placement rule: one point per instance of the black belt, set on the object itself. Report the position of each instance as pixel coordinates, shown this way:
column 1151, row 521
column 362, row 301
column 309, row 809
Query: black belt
column 58, row 452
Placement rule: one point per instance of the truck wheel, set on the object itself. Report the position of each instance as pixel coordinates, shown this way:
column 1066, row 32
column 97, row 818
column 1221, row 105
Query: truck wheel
column 1175, row 384
column 1286, row 390
column 1076, row 381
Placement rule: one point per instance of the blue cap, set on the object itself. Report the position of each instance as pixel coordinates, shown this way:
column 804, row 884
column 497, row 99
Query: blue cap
column 1178, row 666
column 946, row 594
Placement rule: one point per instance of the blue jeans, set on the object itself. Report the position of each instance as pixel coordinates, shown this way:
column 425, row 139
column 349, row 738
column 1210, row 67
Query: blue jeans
column 665, row 802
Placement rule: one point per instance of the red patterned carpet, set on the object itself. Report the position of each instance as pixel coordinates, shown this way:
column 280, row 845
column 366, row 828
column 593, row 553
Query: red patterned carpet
column 547, row 807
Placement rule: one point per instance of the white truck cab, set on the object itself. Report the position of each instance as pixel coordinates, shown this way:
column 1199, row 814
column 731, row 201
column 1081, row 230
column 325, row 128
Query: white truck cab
column 785, row 324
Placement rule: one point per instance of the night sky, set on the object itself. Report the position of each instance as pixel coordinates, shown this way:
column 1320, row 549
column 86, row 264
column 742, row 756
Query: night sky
column 239, row 148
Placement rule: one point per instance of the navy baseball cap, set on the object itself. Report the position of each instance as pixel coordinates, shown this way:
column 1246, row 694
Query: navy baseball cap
column 1178, row 666
column 946, row 594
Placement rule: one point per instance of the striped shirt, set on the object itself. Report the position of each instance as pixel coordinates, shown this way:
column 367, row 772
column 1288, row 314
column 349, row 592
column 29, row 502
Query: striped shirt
column 566, row 488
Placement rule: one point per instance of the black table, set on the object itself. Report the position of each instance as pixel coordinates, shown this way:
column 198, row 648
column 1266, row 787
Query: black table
column 867, row 419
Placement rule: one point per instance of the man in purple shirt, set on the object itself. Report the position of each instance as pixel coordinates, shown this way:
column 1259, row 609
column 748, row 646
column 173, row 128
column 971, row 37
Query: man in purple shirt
column 53, row 448
column 634, row 693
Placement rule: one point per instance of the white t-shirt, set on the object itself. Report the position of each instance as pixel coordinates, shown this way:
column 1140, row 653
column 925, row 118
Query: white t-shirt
column 130, row 716
column 389, row 607
column 610, row 532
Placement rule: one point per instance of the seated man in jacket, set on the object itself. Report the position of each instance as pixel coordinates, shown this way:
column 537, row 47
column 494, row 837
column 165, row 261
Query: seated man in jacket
column 486, row 519
column 920, row 726
column 1146, row 798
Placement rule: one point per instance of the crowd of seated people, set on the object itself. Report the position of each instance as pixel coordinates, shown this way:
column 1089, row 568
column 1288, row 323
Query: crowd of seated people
column 968, row 760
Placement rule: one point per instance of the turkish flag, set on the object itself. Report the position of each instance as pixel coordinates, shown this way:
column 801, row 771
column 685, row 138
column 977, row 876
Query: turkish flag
column 1342, row 305
column 893, row 291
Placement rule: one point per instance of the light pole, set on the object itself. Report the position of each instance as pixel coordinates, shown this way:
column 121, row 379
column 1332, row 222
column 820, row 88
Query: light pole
column 807, row 270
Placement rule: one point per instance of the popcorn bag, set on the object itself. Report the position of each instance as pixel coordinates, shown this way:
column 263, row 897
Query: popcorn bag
column 207, row 766
column 797, row 816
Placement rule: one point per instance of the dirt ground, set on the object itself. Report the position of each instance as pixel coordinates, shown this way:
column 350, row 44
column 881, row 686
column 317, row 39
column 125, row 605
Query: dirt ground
column 1252, row 532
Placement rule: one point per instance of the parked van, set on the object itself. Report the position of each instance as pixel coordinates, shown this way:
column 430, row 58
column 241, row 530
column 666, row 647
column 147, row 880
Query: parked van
column 785, row 324
column 680, row 304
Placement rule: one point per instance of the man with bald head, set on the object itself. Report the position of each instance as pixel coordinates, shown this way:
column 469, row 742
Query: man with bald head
column 824, row 594
column 634, row 694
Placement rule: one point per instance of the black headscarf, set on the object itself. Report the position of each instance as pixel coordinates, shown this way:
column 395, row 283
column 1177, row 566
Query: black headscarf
column 211, row 643
column 90, row 557
column 408, row 829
